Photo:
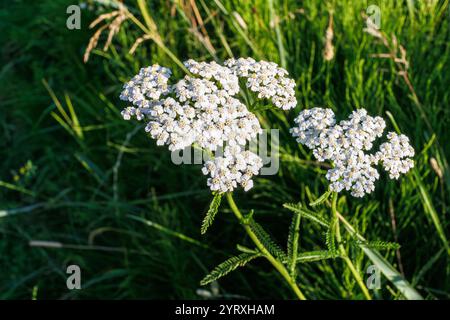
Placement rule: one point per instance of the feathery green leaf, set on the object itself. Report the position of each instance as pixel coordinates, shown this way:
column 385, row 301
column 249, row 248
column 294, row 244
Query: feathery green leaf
column 321, row 199
column 211, row 214
column 376, row 244
column 245, row 249
column 308, row 214
column 267, row 241
column 331, row 238
column 229, row 265
column 292, row 244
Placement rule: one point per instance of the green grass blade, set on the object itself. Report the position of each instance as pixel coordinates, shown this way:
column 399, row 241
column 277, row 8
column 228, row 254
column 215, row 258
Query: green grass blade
column 384, row 266
column 431, row 211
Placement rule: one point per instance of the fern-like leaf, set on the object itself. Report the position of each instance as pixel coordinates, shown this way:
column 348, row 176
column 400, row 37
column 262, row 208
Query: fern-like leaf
column 212, row 211
column 267, row 241
column 292, row 244
column 308, row 214
column 331, row 238
column 377, row 244
column 321, row 199
column 229, row 265
column 245, row 249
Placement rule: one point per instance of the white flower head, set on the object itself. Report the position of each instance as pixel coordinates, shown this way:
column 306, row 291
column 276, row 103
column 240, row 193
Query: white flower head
column 345, row 145
column 310, row 123
column 267, row 79
column 150, row 82
column 236, row 167
column 395, row 155
column 194, row 110
column 212, row 70
column 203, row 109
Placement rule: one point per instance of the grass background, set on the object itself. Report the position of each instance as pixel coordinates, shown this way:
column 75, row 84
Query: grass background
column 80, row 184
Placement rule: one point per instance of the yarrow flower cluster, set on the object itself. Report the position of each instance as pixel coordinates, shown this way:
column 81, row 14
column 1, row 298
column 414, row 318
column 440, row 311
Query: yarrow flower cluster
column 396, row 155
column 267, row 79
column 202, row 109
column 194, row 110
column 235, row 167
column 344, row 144
column 149, row 83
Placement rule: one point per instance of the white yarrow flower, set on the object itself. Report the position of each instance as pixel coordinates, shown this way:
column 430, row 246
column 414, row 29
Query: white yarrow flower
column 395, row 155
column 344, row 144
column 236, row 167
column 267, row 79
column 203, row 109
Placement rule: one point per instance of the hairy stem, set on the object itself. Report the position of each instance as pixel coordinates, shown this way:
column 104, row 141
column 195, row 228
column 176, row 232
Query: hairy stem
column 343, row 252
column 275, row 263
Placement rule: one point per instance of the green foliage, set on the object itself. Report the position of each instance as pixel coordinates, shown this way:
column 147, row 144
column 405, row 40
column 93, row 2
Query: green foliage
column 293, row 236
column 313, row 256
column 377, row 244
column 308, row 214
column 93, row 171
column 212, row 211
column 330, row 238
column 267, row 240
column 229, row 265
column 386, row 268
column 321, row 199
column 245, row 249
column 293, row 239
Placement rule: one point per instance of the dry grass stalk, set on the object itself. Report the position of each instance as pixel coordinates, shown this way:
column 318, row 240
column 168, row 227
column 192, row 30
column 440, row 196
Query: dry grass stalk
column 291, row 15
column 436, row 168
column 198, row 29
column 396, row 52
column 328, row 52
column 114, row 27
column 93, row 41
column 240, row 20
column 138, row 42
column 102, row 17
column 114, row 21
column 274, row 22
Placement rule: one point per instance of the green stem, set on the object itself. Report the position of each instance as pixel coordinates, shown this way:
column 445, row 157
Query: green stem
column 277, row 264
column 343, row 252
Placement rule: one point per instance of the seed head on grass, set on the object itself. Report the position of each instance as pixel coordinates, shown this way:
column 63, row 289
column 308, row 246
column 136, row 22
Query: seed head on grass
column 113, row 20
